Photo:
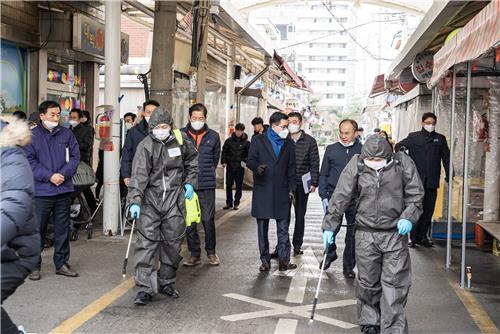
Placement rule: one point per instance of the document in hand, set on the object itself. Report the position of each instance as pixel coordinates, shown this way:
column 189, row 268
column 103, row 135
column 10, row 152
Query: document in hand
column 306, row 182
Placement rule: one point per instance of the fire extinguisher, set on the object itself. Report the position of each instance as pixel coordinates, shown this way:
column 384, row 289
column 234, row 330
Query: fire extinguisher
column 103, row 123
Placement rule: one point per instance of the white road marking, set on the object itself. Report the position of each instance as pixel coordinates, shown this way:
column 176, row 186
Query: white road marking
column 286, row 326
column 279, row 309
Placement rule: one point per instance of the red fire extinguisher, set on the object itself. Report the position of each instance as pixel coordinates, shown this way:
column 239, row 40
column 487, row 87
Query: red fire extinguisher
column 103, row 123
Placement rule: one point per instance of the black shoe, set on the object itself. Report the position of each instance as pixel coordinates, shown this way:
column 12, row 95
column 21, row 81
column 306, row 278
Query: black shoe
column 265, row 266
column 412, row 244
column 169, row 290
column 297, row 251
column 227, row 207
column 370, row 329
column 285, row 265
column 142, row 298
column 66, row 271
column 349, row 274
column 427, row 243
column 236, row 207
column 274, row 255
column 35, row 275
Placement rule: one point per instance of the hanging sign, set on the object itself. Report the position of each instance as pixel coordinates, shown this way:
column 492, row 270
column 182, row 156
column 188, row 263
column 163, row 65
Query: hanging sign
column 407, row 80
column 422, row 66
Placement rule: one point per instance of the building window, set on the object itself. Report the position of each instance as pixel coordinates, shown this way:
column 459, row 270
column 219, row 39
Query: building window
column 337, row 45
column 318, row 58
column 337, row 58
column 343, row 20
column 291, row 28
column 329, row 96
column 299, row 67
column 340, row 96
column 283, row 31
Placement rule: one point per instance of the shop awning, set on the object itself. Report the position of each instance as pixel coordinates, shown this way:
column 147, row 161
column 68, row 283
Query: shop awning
column 476, row 38
column 295, row 80
column 378, row 87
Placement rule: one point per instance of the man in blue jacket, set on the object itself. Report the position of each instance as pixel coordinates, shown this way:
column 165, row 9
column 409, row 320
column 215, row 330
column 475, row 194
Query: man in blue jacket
column 272, row 160
column 207, row 142
column 337, row 156
column 54, row 156
column 134, row 136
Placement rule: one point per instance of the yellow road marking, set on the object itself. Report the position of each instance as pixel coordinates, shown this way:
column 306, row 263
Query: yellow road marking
column 94, row 308
column 476, row 310
column 91, row 310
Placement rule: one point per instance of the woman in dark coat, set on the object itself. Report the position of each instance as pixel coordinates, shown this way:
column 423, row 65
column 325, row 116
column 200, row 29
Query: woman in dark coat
column 272, row 160
column 19, row 232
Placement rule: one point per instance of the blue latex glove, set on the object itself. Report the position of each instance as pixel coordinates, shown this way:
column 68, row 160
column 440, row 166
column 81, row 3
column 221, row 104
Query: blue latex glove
column 404, row 226
column 189, row 191
column 135, row 211
column 328, row 238
column 325, row 205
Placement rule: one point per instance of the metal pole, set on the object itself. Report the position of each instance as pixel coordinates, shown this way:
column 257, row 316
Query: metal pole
column 450, row 176
column 163, row 53
column 111, row 93
column 229, row 89
column 201, row 71
column 466, row 177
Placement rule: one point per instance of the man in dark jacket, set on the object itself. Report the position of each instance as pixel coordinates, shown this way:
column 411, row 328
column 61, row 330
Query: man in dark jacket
column 384, row 217
column 307, row 161
column 207, row 142
column 337, row 156
column 164, row 173
column 85, row 137
column 272, row 161
column 427, row 148
column 19, row 231
column 134, row 136
column 258, row 126
column 54, row 156
column 234, row 158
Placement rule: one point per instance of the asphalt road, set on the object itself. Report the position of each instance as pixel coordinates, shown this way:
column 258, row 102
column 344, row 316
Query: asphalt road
column 233, row 297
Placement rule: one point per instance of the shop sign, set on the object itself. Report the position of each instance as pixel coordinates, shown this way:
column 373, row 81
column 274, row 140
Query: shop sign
column 422, row 66
column 407, row 80
column 88, row 37
column 13, row 78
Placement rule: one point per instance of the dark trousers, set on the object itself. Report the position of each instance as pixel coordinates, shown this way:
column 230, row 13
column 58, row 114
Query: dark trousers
column 300, row 205
column 13, row 276
column 424, row 223
column 90, row 199
column 59, row 207
column 283, row 246
column 232, row 176
column 207, row 206
column 349, row 260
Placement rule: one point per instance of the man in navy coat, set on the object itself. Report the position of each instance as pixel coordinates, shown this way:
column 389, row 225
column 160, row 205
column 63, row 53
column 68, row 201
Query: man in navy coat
column 272, row 160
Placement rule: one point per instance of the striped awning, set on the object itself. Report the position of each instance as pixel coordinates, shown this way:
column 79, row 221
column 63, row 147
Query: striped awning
column 476, row 38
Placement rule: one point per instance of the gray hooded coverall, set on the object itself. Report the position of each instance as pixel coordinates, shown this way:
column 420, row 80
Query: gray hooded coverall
column 160, row 170
column 382, row 256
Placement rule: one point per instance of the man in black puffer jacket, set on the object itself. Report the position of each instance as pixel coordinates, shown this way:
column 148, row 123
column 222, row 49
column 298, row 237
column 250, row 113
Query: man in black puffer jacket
column 234, row 153
column 207, row 142
column 19, row 232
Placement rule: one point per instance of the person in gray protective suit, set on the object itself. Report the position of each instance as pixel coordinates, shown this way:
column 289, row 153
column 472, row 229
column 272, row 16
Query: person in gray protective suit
column 164, row 173
column 389, row 203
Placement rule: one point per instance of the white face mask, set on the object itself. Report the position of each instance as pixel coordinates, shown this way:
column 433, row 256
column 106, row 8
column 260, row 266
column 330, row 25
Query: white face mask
column 375, row 165
column 294, row 128
column 197, row 125
column 128, row 126
column 283, row 133
column 346, row 145
column 161, row 134
column 83, row 119
column 73, row 123
column 429, row 127
column 147, row 118
column 50, row 125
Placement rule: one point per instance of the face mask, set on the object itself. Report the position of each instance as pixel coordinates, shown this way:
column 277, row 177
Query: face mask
column 147, row 118
column 83, row 119
column 429, row 127
column 346, row 145
column 294, row 128
column 50, row 125
column 73, row 123
column 197, row 125
column 283, row 133
column 161, row 134
column 128, row 126
column 375, row 165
